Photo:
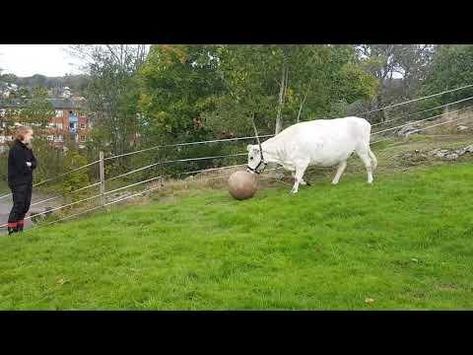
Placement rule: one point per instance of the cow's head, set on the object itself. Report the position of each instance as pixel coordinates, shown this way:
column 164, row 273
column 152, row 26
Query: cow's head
column 256, row 163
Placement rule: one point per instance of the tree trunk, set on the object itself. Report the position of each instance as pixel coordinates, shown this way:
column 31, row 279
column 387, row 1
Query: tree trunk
column 282, row 92
column 300, row 107
column 379, row 105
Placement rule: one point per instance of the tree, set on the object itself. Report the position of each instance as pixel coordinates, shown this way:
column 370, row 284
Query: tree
column 253, row 78
column 24, row 93
column 280, row 84
column 50, row 161
column 111, row 93
column 415, row 61
column 77, row 179
column 451, row 68
column 8, row 78
column 187, row 93
column 177, row 84
column 399, row 70
column 38, row 110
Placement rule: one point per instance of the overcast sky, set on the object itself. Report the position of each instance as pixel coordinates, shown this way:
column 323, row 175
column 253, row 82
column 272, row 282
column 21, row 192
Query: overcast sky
column 27, row 60
column 49, row 60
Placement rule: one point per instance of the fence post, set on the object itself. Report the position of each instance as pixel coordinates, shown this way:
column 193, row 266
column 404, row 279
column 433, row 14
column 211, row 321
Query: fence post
column 102, row 179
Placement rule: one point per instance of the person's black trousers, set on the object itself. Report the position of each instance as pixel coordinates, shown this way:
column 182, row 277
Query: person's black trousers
column 21, row 205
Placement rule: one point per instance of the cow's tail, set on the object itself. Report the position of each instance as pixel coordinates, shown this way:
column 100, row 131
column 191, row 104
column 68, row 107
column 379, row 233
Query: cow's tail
column 373, row 158
column 374, row 161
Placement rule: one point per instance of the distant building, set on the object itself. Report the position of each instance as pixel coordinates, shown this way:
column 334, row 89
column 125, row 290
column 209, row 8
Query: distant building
column 69, row 121
column 66, row 93
column 6, row 89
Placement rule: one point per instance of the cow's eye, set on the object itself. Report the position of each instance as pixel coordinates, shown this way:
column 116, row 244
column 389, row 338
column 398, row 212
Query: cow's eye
column 251, row 158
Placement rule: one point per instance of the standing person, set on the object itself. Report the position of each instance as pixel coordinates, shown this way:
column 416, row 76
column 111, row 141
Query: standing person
column 21, row 163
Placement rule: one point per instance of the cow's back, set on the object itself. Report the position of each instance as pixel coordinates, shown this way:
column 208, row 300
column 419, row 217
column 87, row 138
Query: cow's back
column 326, row 142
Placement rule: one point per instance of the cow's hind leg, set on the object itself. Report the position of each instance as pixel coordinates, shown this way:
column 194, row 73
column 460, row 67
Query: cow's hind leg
column 300, row 170
column 340, row 170
column 374, row 161
column 365, row 157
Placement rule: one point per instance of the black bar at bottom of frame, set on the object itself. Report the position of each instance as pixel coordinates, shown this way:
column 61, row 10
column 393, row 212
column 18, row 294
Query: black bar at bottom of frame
column 364, row 323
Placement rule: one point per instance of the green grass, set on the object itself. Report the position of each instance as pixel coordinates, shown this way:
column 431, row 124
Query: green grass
column 406, row 242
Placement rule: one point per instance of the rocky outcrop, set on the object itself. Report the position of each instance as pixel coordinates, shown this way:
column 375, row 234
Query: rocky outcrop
column 445, row 154
column 415, row 128
column 451, row 154
column 408, row 129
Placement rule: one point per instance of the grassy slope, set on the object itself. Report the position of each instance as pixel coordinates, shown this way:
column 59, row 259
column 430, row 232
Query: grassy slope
column 405, row 242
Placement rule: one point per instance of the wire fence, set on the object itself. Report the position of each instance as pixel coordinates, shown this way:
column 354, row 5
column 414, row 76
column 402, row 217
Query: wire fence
column 417, row 121
column 423, row 128
column 263, row 136
column 188, row 144
column 197, row 171
column 422, row 111
column 417, row 99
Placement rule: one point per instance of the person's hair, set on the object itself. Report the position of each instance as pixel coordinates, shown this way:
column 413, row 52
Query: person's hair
column 22, row 131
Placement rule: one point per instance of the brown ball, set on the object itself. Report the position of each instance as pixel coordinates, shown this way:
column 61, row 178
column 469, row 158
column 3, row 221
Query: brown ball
column 242, row 185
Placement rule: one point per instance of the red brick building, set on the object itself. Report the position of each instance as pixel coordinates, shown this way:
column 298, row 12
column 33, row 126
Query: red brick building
column 69, row 122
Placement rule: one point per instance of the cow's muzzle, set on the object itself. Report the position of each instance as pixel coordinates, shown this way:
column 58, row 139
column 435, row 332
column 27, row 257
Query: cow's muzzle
column 258, row 169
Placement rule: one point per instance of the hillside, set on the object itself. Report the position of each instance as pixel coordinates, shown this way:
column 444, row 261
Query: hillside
column 405, row 242
column 77, row 83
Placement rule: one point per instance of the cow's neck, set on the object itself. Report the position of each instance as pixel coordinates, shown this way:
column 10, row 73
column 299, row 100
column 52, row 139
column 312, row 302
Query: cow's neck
column 270, row 152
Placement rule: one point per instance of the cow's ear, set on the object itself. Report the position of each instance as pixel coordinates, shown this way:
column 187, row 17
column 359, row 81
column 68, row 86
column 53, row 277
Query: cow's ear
column 249, row 147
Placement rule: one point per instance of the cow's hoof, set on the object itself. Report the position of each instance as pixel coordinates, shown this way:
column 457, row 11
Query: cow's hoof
column 308, row 183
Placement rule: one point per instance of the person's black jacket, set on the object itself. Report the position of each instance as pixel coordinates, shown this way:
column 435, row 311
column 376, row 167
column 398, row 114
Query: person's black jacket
column 19, row 172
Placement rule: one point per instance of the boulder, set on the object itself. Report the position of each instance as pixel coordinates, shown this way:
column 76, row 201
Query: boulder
column 451, row 156
column 469, row 149
column 406, row 130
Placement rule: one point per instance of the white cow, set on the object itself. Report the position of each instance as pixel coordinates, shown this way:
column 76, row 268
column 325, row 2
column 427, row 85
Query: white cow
column 320, row 142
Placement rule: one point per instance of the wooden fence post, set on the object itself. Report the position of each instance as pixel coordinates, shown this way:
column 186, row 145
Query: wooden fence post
column 102, row 179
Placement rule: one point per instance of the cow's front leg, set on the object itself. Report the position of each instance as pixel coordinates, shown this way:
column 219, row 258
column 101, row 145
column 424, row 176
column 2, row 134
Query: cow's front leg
column 303, row 182
column 300, row 170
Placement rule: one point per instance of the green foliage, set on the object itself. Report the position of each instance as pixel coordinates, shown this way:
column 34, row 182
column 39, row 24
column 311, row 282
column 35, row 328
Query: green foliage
column 39, row 109
column 318, row 79
column 176, row 83
column 78, row 179
column 452, row 67
column 188, row 93
column 24, row 93
column 112, row 96
column 399, row 69
column 8, row 78
column 50, row 160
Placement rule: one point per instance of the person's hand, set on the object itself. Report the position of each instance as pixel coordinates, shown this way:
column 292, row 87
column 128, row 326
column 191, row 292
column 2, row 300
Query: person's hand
column 28, row 164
